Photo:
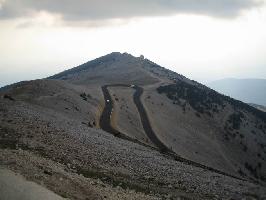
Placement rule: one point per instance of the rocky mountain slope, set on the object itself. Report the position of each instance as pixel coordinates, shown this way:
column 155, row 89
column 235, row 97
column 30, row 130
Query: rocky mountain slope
column 166, row 136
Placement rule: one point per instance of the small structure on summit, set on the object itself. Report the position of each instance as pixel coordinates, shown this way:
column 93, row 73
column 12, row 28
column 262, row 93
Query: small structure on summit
column 141, row 57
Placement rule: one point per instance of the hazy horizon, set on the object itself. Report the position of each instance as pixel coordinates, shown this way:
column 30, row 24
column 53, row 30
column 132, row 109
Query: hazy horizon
column 41, row 76
column 204, row 41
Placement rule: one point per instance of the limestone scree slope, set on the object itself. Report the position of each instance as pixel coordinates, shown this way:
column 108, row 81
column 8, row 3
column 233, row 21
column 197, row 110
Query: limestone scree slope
column 50, row 131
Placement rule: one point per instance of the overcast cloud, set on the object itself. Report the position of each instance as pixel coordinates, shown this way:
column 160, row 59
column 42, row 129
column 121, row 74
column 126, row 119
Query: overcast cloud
column 201, row 39
column 89, row 10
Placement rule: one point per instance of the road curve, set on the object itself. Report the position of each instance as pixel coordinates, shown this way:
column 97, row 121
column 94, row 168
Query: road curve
column 145, row 121
column 105, row 120
column 105, row 124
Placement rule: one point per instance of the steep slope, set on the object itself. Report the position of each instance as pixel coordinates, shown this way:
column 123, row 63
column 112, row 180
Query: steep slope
column 110, row 69
column 214, row 129
column 198, row 130
column 204, row 127
column 246, row 90
column 51, row 148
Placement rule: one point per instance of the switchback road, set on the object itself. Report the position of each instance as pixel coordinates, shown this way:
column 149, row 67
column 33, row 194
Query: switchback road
column 105, row 124
column 105, row 120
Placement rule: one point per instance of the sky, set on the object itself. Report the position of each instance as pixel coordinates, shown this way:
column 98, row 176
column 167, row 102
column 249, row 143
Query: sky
column 204, row 40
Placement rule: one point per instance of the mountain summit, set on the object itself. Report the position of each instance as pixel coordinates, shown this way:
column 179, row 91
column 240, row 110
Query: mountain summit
column 122, row 127
column 125, row 67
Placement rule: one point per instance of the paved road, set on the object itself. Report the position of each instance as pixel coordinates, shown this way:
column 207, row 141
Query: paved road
column 105, row 124
column 16, row 187
column 145, row 121
column 105, row 120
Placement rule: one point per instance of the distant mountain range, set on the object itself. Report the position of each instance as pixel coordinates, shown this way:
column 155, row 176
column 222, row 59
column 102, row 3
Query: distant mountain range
column 260, row 107
column 246, row 90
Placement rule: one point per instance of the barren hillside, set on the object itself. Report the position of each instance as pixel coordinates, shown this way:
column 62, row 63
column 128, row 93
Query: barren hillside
column 122, row 127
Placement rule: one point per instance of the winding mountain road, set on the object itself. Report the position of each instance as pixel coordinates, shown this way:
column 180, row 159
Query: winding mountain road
column 105, row 120
column 105, row 124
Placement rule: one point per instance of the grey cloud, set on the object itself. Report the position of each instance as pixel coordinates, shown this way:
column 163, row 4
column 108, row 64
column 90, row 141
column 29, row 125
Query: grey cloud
column 89, row 10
